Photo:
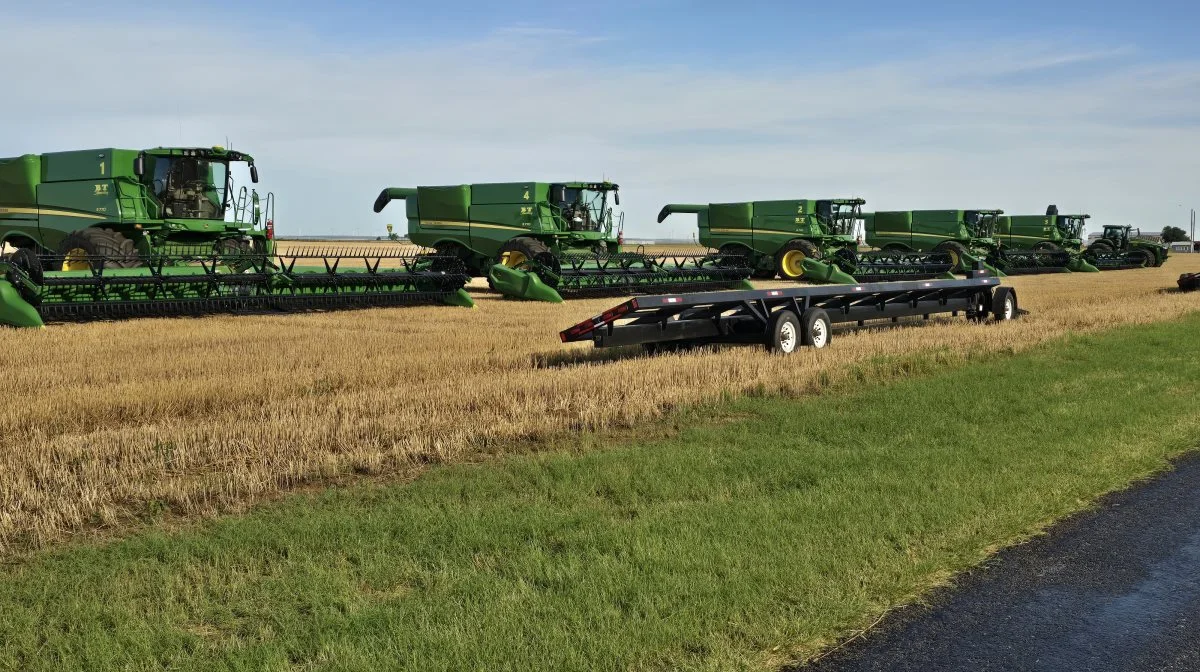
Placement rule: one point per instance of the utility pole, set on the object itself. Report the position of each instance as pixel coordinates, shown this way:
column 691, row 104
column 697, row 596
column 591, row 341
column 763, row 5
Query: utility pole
column 1193, row 229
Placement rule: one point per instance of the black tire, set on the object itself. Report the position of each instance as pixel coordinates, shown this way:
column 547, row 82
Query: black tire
column 116, row 250
column 958, row 254
column 786, row 263
column 1147, row 258
column 895, row 248
column 530, row 250
column 27, row 260
column 1004, row 304
column 784, row 333
column 1045, row 246
column 816, row 329
column 1100, row 246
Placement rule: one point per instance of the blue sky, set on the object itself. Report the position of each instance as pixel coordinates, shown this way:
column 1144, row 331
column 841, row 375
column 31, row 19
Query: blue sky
column 1014, row 105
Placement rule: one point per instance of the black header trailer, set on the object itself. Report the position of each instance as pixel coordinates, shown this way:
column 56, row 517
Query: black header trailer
column 783, row 319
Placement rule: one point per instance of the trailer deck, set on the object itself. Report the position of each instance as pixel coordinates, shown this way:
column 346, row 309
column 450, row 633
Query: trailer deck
column 783, row 319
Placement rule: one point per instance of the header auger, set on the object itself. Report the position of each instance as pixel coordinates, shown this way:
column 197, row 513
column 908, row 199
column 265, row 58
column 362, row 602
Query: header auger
column 110, row 233
column 544, row 241
column 805, row 239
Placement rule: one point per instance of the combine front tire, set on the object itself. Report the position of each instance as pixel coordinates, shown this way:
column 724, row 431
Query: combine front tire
column 1004, row 304
column 957, row 253
column 116, row 250
column 789, row 261
column 520, row 251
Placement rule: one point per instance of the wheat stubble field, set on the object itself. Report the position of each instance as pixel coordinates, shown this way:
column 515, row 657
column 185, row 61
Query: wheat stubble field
column 106, row 422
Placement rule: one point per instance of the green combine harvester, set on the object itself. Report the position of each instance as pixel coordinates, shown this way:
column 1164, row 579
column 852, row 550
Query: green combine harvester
column 806, row 239
column 1052, row 238
column 109, row 233
column 547, row 240
column 1120, row 247
column 967, row 236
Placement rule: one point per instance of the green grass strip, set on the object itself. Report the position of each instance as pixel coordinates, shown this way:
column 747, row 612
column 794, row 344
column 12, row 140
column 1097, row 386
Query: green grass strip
column 739, row 544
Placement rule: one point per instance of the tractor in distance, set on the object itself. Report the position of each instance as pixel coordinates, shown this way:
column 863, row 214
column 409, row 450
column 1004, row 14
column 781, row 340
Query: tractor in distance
column 544, row 240
column 802, row 239
column 1121, row 246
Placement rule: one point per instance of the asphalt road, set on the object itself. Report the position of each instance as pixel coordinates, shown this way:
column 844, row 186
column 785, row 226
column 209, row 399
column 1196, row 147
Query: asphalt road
column 1116, row 588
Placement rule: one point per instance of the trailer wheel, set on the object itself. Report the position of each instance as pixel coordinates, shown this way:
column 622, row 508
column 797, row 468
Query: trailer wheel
column 790, row 259
column 957, row 253
column 816, row 330
column 1004, row 304
column 116, row 250
column 785, row 333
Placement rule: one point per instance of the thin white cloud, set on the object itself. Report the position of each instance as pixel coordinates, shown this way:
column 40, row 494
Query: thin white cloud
column 332, row 123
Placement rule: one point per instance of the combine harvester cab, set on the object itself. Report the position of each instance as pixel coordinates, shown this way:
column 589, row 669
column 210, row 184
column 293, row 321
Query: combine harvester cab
column 1050, row 243
column 965, row 237
column 1121, row 247
column 546, row 241
column 115, row 233
column 807, row 239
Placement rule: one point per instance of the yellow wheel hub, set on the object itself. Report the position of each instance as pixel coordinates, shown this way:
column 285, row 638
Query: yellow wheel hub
column 792, row 263
column 76, row 260
column 954, row 258
column 513, row 259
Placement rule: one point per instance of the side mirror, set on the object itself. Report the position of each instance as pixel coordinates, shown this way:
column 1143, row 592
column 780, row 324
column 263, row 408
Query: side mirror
column 616, row 198
column 139, row 165
column 254, row 173
column 558, row 193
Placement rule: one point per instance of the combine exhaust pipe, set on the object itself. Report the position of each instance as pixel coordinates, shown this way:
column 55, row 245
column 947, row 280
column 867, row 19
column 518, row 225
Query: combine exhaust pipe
column 687, row 208
column 393, row 194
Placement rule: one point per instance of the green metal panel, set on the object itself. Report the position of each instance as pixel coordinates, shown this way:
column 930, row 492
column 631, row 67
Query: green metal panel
column 730, row 223
column 890, row 227
column 508, row 193
column 19, row 178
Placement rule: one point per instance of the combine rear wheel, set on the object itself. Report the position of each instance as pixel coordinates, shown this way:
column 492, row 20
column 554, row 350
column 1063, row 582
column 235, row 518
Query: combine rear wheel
column 80, row 248
column 789, row 261
column 1143, row 258
column 1046, row 247
column 957, row 254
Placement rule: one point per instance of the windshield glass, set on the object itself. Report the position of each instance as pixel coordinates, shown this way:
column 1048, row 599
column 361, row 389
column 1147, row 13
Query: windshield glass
column 1114, row 232
column 1070, row 227
column 590, row 210
column 839, row 218
column 191, row 188
column 979, row 224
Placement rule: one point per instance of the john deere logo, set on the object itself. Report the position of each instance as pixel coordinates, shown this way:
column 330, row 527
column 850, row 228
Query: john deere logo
column 101, row 190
